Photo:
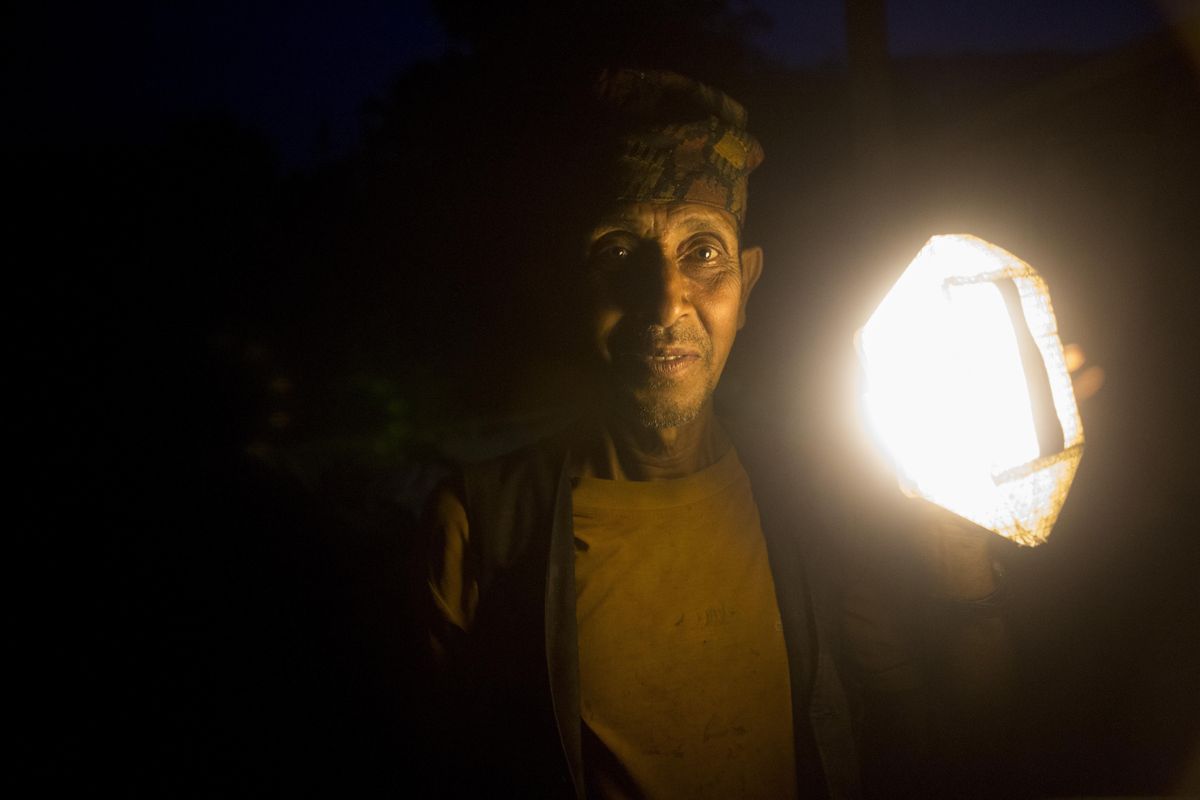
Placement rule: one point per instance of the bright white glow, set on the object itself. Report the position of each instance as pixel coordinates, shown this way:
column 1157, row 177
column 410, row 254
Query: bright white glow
column 946, row 395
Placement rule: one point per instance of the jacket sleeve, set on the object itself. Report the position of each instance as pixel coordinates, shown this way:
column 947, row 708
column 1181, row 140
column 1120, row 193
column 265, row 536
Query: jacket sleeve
column 932, row 674
column 452, row 572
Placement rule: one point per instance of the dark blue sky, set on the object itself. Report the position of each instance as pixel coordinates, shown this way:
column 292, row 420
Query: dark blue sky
column 287, row 68
column 811, row 32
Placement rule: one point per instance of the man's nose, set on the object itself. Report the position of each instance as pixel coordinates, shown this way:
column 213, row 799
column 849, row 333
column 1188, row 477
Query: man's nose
column 664, row 291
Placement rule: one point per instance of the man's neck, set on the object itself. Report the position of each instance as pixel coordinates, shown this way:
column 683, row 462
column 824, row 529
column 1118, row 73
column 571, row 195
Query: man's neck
column 624, row 451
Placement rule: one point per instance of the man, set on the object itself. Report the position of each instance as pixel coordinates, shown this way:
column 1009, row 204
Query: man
column 625, row 613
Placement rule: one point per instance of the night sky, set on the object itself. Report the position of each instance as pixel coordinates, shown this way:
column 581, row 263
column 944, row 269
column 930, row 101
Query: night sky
column 290, row 68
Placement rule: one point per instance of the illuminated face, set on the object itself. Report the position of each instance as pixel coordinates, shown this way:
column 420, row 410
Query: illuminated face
column 668, row 294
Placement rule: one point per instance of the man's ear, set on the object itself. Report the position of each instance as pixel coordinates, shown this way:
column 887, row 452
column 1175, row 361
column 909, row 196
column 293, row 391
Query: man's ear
column 752, row 264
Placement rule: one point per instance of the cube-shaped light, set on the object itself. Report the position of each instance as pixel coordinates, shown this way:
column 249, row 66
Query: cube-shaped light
column 967, row 391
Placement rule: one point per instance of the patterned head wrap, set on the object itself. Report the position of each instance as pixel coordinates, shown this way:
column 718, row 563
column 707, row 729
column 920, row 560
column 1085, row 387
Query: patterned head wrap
column 677, row 140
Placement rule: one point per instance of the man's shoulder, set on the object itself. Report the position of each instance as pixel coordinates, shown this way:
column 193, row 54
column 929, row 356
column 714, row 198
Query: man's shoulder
column 534, row 463
column 510, row 499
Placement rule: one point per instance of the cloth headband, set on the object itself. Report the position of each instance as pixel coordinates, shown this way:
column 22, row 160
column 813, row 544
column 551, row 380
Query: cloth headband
column 677, row 140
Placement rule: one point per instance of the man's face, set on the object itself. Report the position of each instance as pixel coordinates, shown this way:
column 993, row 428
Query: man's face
column 668, row 294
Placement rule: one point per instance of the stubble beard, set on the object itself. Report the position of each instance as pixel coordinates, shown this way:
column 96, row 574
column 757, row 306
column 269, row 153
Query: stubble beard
column 660, row 402
column 656, row 410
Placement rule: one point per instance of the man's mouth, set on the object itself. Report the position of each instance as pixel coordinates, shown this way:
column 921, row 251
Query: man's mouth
column 667, row 361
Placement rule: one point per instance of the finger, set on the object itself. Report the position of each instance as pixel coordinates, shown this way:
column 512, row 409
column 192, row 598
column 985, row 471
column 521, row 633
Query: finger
column 1088, row 382
column 1074, row 356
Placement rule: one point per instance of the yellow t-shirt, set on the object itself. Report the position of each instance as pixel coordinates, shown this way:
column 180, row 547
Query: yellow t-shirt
column 683, row 670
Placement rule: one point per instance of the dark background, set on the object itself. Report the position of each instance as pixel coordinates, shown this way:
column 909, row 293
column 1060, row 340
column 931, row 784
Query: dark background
column 288, row 258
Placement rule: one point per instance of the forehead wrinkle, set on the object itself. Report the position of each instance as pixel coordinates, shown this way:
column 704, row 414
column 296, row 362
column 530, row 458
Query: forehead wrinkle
column 704, row 225
column 695, row 217
column 617, row 223
column 687, row 219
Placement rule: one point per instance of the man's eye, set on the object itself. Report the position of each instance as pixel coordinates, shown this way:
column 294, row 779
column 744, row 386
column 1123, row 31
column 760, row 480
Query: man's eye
column 613, row 254
column 706, row 252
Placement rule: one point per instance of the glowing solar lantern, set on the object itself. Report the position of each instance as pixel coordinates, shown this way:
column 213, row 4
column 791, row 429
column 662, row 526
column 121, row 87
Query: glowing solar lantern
column 967, row 390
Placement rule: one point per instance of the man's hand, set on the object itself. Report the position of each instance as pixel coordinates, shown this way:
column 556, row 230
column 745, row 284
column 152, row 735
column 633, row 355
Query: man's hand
column 955, row 550
column 1087, row 382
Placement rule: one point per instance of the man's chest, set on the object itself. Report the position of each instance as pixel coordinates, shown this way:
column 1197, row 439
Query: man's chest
column 683, row 667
